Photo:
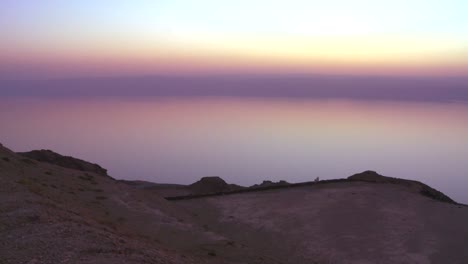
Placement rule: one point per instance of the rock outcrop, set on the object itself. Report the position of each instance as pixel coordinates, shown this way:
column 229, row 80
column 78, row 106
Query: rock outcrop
column 270, row 184
column 372, row 176
column 212, row 184
column 64, row 161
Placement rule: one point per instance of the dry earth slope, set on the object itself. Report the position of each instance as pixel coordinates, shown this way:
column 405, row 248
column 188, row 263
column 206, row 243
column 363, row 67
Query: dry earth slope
column 74, row 213
column 373, row 220
column 53, row 214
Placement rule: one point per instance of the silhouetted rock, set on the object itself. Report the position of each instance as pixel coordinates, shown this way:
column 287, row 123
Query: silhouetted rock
column 210, row 184
column 372, row 176
column 270, row 184
column 63, row 161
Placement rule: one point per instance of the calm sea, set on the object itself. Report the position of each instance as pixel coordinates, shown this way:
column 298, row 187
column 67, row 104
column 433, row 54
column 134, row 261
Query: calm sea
column 245, row 140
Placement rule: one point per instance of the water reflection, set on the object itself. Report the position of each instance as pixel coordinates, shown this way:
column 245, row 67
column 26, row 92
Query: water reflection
column 245, row 141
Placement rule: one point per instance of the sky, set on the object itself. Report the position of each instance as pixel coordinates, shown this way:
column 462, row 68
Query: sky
column 56, row 39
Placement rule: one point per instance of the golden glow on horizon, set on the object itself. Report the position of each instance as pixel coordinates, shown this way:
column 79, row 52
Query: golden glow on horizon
column 144, row 37
column 347, row 55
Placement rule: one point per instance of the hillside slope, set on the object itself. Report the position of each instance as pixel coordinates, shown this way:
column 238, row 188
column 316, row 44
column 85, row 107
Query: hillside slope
column 53, row 214
column 49, row 156
column 349, row 221
column 57, row 214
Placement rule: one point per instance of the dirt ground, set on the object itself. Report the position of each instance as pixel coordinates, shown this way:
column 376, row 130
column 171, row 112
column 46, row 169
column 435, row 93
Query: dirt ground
column 52, row 214
column 341, row 223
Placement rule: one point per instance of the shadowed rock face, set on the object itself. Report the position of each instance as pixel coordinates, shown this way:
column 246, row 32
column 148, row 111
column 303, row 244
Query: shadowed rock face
column 270, row 184
column 212, row 184
column 64, row 161
column 209, row 185
column 54, row 215
column 372, row 176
